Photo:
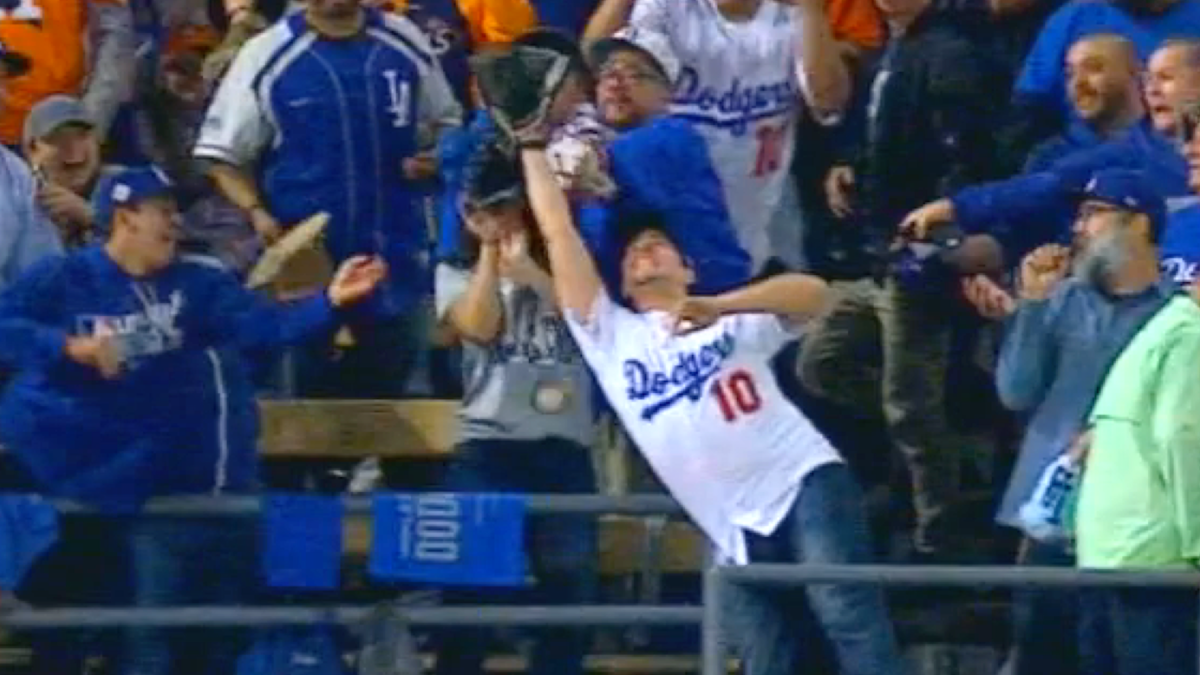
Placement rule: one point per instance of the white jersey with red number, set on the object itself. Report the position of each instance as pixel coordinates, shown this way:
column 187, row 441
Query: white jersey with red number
column 740, row 87
column 707, row 413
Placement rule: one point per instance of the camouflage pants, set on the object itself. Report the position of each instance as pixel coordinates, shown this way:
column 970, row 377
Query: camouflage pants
column 884, row 347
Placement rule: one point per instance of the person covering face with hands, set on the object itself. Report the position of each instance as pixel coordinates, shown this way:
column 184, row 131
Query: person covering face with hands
column 527, row 410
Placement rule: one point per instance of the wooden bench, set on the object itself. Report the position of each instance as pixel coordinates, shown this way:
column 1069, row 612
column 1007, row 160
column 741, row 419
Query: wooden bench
column 425, row 430
column 334, row 429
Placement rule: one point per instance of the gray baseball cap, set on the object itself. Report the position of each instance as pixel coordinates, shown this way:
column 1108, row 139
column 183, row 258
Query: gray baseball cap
column 52, row 113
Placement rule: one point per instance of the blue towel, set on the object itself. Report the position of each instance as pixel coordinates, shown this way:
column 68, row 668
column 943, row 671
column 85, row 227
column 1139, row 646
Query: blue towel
column 303, row 541
column 28, row 528
column 451, row 539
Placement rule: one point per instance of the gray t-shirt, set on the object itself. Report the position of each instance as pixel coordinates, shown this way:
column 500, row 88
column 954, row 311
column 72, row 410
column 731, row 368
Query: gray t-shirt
column 531, row 382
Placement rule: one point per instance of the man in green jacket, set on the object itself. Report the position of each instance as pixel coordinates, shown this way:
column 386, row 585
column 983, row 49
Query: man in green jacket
column 1139, row 501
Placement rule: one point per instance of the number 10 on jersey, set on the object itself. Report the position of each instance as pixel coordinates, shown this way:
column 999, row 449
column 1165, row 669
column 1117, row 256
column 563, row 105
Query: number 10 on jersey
column 736, row 394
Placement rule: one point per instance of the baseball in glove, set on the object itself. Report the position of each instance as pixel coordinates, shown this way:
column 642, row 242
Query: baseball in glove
column 519, row 86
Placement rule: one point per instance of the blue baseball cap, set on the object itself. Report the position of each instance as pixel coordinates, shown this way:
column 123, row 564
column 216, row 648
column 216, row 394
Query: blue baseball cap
column 128, row 187
column 1128, row 190
column 15, row 64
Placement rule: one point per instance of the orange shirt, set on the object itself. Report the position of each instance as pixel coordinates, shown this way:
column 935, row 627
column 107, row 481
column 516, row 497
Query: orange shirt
column 54, row 35
column 489, row 21
column 855, row 21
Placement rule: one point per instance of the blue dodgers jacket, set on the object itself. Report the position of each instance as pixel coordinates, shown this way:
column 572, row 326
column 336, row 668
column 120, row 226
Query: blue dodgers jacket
column 179, row 419
column 1023, row 212
column 664, row 167
column 328, row 124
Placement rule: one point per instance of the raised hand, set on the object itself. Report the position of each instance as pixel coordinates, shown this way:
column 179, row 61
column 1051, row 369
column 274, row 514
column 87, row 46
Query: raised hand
column 918, row 224
column 1042, row 271
column 987, row 297
column 356, row 279
column 693, row 314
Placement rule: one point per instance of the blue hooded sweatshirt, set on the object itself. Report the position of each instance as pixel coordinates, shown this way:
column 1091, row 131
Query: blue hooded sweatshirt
column 178, row 419
column 662, row 167
column 1027, row 211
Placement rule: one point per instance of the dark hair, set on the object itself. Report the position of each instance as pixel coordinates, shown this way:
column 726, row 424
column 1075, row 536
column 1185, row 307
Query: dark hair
column 492, row 175
column 632, row 224
column 493, row 179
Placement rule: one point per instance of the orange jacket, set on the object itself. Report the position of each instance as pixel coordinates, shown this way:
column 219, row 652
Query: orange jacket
column 54, row 35
column 855, row 21
column 489, row 21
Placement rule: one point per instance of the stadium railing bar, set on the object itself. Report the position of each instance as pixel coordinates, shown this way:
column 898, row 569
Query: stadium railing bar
column 710, row 616
column 244, row 506
column 719, row 578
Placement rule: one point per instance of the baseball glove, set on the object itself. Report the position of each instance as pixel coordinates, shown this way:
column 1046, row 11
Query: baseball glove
column 519, row 86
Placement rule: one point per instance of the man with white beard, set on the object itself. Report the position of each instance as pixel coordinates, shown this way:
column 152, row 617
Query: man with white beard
column 745, row 66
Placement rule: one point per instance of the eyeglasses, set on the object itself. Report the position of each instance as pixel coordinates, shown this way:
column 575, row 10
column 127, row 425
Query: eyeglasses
column 620, row 74
column 1089, row 209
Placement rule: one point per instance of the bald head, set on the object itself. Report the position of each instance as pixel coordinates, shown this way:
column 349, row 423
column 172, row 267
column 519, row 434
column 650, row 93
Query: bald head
column 1172, row 83
column 1102, row 79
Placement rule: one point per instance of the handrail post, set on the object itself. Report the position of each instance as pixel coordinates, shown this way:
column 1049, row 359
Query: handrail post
column 712, row 636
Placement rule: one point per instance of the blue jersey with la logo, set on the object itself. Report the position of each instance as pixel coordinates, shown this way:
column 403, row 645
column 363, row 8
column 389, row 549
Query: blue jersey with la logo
column 1180, row 249
column 706, row 411
column 328, row 123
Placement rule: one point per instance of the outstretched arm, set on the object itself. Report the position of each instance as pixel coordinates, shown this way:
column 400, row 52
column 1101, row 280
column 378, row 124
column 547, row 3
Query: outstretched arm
column 791, row 297
column 576, row 280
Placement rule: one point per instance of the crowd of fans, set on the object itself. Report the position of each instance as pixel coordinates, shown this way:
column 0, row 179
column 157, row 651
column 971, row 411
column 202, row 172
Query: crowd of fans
column 1001, row 197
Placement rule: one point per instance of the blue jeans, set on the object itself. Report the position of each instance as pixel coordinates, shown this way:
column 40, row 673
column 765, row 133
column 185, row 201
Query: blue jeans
column 1138, row 631
column 562, row 548
column 190, row 561
column 1045, row 620
column 827, row 525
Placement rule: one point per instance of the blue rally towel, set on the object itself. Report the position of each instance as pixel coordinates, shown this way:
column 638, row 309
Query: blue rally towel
column 451, row 539
column 28, row 528
column 303, row 541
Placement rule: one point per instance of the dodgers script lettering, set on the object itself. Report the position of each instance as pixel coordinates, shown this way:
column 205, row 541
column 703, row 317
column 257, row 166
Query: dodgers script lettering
column 685, row 380
column 735, row 107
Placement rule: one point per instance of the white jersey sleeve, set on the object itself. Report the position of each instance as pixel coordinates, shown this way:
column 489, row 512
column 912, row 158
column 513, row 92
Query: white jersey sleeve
column 596, row 333
column 237, row 126
column 652, row 15
column 437, row 106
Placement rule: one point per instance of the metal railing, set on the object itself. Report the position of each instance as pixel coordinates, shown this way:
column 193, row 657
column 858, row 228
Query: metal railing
column 244, row 506
column 709, row 615
column 717, row 580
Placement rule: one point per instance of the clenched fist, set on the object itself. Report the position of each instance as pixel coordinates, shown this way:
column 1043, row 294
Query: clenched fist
column 1042, row 271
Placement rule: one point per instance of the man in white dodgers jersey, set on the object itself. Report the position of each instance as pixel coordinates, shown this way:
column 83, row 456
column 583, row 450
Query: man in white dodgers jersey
column 691, row 380
column 746, row 64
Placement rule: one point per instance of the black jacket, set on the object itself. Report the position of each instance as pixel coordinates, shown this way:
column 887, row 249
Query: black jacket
column 923, row 121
